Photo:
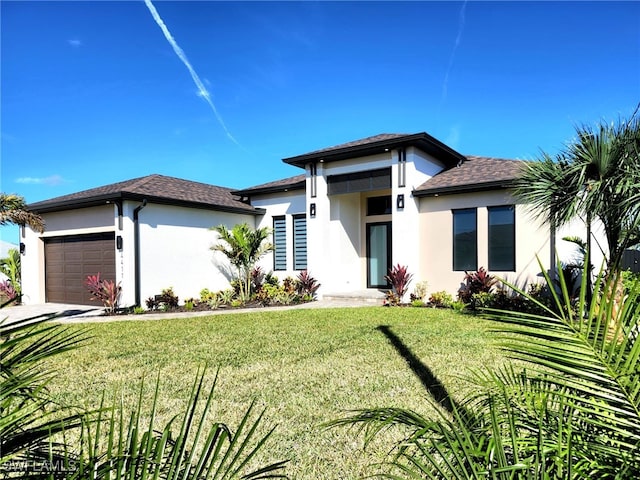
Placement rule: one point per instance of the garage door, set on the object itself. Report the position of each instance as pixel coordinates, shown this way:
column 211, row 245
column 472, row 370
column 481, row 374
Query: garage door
column 68, row 262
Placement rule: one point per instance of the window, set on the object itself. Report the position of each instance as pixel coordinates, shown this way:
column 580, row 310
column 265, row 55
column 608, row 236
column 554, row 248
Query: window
column 465, row 235
column 379, row 205
column 279, row 243
column 300, row 242
column 502, row 238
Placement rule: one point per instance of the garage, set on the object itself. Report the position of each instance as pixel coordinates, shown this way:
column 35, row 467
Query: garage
column 70, row 259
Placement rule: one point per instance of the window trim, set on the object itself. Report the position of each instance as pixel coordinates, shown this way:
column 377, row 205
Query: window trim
column 295, row 240
column 277, row 245
column 513, row 237
column 453, row 231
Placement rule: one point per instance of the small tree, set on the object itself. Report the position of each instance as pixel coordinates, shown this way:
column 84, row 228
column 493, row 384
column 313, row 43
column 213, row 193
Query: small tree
column 243, row 247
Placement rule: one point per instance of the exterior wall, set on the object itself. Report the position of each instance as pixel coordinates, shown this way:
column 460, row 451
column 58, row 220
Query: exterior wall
column 285, row 204
column 175, row 252
column 74, row 222
column 436, row 238
column 174, row 248
column 337, row 234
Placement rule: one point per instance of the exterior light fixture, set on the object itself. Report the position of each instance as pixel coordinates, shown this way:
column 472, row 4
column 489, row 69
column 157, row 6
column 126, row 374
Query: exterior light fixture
column 312, row 210
column 119, row 242
column 23, row 248
column 400, row 201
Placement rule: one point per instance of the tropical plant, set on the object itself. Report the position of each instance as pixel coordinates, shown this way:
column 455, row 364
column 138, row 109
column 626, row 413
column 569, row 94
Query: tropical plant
column 243, row 247
column 29, row 416
column 8, row 292
column 399, row 278
column 10, row 266
column 13, row 210
column 597, row 176
column 419, row 292
column 106, row 291
column 41, row 439
column 125, row 446
column 441, row 299
column 476, row 282
column 573, row 412
column 306, row 285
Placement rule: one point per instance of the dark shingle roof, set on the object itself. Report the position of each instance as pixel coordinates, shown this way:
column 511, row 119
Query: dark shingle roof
column 286, row 184
column 475, row 174
column 156, row 189
column 378, row 144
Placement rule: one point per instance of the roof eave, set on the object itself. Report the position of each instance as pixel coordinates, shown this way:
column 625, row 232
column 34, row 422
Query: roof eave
column 423, row 141
column 276, row 189
column 121, row 196
column 453, row 190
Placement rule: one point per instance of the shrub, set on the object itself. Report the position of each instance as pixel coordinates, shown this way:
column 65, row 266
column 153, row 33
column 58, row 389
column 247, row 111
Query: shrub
column 8, row 292
column 476, row 282
column 306, row 285
column 106, row 291
column 441, row 299
column 399, row 279
column 391, row 299
column 419, row 292
column 167, row 300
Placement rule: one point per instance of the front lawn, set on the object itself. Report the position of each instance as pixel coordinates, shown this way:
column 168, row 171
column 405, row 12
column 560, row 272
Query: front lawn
column 304, row 366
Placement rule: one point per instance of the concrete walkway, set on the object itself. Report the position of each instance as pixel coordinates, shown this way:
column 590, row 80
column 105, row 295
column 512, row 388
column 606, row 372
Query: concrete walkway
column 65, row 313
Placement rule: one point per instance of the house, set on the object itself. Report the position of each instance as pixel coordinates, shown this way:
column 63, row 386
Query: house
column 357, row 209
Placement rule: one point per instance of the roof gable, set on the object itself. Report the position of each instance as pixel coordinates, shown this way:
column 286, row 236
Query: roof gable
column 156, row 189
column 475, row 174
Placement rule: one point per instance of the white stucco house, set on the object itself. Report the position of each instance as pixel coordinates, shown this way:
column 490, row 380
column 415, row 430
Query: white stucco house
column 353, row 211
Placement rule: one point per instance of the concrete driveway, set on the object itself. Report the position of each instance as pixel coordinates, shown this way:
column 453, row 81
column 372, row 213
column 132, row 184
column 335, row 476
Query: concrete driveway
column 50, row 311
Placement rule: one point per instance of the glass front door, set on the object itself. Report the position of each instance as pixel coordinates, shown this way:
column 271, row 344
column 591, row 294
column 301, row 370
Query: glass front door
column 378, row 254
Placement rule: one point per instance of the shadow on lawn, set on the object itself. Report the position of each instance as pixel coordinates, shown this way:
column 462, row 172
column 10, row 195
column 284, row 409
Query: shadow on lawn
column 430, row 382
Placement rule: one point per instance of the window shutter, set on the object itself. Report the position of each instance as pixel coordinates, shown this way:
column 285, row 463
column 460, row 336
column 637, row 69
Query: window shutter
column 300, row 242
column 279, row 243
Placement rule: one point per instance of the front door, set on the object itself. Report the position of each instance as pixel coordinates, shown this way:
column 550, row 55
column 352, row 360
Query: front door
column 378, row 254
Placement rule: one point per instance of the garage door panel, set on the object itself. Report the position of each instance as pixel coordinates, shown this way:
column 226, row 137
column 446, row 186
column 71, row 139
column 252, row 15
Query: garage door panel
column 68, row 262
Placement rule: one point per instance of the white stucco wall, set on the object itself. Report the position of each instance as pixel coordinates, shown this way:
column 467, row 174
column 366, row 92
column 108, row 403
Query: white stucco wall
column 279, row 204
column 436, row 233
column 175, row 251
column 74, row 222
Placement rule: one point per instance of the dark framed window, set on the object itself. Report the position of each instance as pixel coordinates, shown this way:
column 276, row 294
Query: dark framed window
column 502, row 238
column 379, row 205
column 279, row 243
column 300, row 242
column 465, row 239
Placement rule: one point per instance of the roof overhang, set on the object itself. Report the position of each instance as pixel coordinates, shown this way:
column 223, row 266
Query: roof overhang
column 272, row 189
column 452, row 190
column 99, row 200
column 423, row 141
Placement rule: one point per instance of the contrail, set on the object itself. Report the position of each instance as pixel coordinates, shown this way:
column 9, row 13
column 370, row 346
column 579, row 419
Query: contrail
column 202, row 90
column 453, row 52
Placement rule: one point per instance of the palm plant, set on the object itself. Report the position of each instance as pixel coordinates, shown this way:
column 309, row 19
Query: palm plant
column 595, row 177
column 13, row 210
column 10, row 266
column 29, row 417
column 243, row 247
column 130, row 449
column 572, row 412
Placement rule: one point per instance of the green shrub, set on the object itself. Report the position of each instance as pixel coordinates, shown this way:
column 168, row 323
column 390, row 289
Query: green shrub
column 441, row 299
column 419, row 292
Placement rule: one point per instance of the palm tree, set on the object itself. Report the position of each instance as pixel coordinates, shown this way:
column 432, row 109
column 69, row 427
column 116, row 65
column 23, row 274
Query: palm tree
column 13, row 210
column 243, row 247
column 595, row 177
column 573, row 412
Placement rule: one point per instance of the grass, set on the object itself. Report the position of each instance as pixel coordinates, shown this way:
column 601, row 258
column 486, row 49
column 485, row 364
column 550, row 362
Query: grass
column 304, row 366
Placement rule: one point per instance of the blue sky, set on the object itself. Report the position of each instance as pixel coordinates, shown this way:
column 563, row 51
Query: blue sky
column 94, row 92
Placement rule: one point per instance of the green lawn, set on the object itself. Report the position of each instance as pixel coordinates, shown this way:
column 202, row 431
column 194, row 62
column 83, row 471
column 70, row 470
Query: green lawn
column 304, row 366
